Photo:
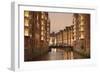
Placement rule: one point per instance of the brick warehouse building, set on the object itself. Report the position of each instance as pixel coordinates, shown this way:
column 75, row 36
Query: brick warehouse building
column 82, row 34
column 36, row 34
column 76, row 35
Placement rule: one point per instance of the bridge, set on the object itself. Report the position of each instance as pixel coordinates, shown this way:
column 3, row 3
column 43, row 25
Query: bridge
column 64, row 47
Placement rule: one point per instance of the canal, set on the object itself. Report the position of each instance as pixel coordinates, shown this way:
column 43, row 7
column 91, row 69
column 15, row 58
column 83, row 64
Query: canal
column 58, row 54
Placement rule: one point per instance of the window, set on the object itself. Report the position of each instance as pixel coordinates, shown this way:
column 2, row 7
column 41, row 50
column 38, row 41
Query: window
column 42, row 38
column 42, row 22
column 42, row 16
column 42, row 33
column 26, row 32
column 26, row 22
column 81, row 35
column 26, row 13
column 81, row 29
column 81, row 17
column 82, row 23
column 42, row 28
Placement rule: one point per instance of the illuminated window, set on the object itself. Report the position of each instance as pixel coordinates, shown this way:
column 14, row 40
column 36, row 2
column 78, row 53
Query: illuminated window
column 42, row 16
column 26, row 13
column 42, row 38
column 42, row 33
column 26, row 22
column 26, row 32
column 82, row 17
column 81, row 29
column 82, row 23
column 42, row 28
column 50, row 41
column 42, row 22
column 82, row 35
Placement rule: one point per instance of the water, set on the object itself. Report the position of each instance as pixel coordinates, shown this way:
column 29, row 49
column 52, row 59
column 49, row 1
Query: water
column 56, row 54
column 59, row 54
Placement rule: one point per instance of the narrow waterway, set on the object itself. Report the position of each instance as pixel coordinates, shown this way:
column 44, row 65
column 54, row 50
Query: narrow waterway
column 56, row 54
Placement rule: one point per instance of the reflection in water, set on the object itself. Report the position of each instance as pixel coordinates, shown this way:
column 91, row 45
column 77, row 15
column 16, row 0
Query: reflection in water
column 53, row 50
column 60, row 54
column 68, row 55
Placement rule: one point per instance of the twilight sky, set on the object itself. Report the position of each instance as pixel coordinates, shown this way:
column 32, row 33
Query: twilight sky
column 59, row 21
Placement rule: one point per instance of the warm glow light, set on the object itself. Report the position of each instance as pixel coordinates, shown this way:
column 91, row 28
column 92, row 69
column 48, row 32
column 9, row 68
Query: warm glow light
column 74, row 39
column 42, row 16
column 50, row 42
column 42, row 33
column 81, row 17
column 82, row 36
column 42, row 38
column 55, row 41
column 26, row 13
column 81, row 29
column 45, row 18
column 26, row 22
column 82, row 23
column 42, row 28
column 26, row 32
column 53, row 50
column 42, row 23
